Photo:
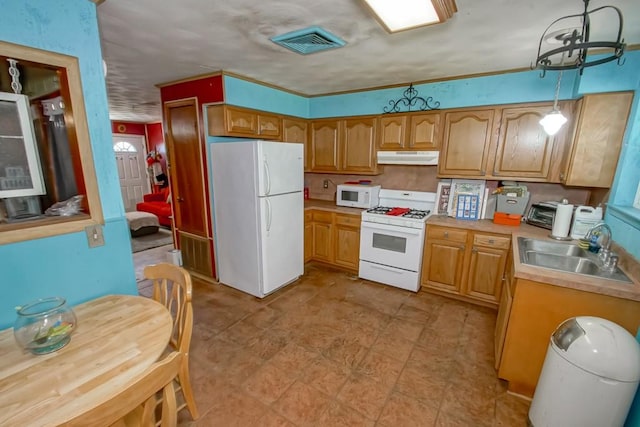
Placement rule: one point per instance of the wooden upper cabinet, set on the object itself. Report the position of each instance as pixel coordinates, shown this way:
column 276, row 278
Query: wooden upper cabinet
column 324, row 148
column 241, row 121
column 466, row 143
column 269, row 125
column 414, row 131
column 424, row 131
column 296, row 130
column 226, row 120
column 594, row 154
column 393, row 132
column 524, row 148
column 358, row 145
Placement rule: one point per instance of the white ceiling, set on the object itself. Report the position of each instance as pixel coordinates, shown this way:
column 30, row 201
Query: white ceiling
column 146, row 42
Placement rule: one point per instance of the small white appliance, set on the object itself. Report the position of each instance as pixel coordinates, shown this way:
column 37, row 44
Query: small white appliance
column 258, row 214
column 357, row 196
column 392, row 238
column 423, row 158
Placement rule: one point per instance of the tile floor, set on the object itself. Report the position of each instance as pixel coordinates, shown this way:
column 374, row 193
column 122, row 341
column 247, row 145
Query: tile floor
column 334, row 350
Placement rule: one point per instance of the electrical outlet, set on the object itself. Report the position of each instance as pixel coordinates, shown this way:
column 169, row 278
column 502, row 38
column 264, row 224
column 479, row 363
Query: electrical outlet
column 94, row 235
column 325, row 183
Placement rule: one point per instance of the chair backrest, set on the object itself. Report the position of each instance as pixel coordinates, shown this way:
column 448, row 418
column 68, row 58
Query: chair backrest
column 172, row 288
column 142, row 392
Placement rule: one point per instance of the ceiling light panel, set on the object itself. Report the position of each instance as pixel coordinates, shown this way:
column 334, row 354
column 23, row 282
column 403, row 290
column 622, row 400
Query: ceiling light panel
column 400, row 15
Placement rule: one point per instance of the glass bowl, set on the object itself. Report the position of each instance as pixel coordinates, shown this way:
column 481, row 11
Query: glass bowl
column 44, row 325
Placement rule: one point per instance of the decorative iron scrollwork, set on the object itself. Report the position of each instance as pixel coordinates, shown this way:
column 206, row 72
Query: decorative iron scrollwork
column 411, row 99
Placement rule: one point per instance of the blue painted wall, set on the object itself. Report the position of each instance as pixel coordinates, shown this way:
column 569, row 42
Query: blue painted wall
column 508, row 88
column 64, row 265
column 243, row 93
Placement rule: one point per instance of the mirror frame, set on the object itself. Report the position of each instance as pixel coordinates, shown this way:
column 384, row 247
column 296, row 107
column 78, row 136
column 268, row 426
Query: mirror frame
column 77, row 128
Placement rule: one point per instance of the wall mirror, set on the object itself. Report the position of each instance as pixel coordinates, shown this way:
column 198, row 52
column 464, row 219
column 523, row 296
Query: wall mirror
column 45, row 150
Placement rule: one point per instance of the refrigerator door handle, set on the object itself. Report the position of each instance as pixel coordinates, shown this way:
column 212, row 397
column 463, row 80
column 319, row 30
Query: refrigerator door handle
column 269, row 213
column 267, row 178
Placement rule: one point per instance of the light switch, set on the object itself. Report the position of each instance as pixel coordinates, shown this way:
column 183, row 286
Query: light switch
column 94, row 235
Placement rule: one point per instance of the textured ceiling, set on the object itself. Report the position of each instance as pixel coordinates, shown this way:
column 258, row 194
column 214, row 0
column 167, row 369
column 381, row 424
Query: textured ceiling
column 146, row 42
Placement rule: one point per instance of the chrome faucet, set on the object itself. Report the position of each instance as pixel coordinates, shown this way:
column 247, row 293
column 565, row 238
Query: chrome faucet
column 605, row 253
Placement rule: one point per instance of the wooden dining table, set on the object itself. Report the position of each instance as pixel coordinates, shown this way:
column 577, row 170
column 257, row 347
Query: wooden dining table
column 117, row 338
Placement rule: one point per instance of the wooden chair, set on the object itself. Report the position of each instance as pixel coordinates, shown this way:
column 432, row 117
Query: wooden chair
column 136, row 404
column 172, row 288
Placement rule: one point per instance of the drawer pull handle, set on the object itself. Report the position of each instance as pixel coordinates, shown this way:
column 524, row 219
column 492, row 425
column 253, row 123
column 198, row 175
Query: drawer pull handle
column 446, row 234
column 491, row 241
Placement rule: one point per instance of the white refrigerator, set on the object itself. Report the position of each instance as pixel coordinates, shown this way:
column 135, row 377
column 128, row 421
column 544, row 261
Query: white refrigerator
column 258, row 214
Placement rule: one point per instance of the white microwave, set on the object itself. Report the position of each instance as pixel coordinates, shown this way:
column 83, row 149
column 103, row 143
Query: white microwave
column 357, row 196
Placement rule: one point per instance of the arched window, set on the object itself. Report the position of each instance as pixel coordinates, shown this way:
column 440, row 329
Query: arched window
column 124, row 146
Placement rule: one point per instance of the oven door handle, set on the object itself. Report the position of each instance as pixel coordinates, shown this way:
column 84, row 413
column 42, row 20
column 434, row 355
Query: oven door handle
column 388, row 268
column 393, row 228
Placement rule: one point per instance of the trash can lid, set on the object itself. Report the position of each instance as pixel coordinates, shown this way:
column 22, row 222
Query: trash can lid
column 598, row 346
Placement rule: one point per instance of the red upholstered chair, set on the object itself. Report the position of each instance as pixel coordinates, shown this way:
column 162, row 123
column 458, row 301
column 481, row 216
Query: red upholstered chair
column 158, row 204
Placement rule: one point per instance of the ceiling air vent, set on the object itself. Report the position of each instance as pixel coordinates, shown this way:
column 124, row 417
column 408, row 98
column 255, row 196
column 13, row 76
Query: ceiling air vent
column 309, row 40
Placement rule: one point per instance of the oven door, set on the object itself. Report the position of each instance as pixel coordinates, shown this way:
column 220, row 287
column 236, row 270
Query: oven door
column 391, row 245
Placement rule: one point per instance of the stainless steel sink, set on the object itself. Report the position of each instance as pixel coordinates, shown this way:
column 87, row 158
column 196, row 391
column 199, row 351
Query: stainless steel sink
column 565, row 257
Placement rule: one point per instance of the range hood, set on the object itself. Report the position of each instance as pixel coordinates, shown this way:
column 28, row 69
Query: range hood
column 428, row 158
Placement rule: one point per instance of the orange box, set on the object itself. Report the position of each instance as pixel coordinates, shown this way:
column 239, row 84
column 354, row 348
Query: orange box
column 507, row 218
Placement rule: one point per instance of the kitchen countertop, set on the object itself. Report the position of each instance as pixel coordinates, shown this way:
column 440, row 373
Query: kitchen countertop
column 558, row 278
column 328, row 205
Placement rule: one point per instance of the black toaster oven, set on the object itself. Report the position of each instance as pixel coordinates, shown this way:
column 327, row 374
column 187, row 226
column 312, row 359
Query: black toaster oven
column 541, row 214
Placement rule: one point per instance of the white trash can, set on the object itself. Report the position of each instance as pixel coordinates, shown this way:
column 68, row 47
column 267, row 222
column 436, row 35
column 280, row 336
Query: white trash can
column 589, row 377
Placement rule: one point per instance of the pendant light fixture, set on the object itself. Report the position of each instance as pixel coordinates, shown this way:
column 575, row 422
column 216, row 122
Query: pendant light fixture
column 565, row 45
column 570, row 36
column 554, row 120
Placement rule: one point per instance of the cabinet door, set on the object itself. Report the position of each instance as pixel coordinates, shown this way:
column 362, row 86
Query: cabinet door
column 392, row 132
column 466, row 140
column 347, row 241
column 240, row 121
column 502, row 322
column 486, row 270
column 295, row 130
column 424, row 131
column 308, row 236
column 269, row 126
column 598, row 139
column 322, row 236
column 443, row 265
column 524, row 148
column 324, row 146
column 504, row 310
column 322, row 248
column 359, row 145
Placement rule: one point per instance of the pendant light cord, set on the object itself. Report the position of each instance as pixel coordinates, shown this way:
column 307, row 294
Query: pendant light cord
column 555, row 99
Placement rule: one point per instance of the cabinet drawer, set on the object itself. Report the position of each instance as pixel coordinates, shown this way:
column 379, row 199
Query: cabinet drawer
column 491, row 241
column 308, row 216
column 351, row 220
column 451, row 234
column 326, row 217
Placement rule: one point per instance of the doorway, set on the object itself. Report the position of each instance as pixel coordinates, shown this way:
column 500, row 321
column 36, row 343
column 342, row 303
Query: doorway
column 130, row 159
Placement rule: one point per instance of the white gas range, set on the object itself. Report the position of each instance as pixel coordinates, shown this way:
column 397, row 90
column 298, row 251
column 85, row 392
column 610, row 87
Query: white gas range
column 392, row 238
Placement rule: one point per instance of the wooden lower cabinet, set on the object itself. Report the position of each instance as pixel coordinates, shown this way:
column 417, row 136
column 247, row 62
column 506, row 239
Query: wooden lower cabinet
column 444, row 259
column 332, row 238
column 308, row 236
column 347, row 241
column 465, row 264
column 536, row 311
column 322, row 224
column 504, row 310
